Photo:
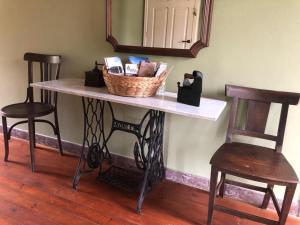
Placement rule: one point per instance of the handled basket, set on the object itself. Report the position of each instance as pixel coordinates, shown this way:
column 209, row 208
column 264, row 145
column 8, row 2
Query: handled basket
column 133, row 86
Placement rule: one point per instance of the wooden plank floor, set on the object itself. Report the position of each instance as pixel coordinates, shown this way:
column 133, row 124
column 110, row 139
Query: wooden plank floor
column 46, row 197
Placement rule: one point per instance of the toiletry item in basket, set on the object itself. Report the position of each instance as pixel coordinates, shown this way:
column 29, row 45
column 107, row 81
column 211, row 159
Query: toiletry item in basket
column 162, row 67
column 137, row 59
column 147, row 69
column 114, row 65
column 131, row 69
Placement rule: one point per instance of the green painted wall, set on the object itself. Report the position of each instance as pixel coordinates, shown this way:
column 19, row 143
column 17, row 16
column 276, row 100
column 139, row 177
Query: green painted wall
column 128, row 17
column 253, row 43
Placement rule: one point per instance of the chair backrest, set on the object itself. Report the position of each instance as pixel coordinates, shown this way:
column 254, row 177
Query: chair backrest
column 256, row 115
column 49, row 70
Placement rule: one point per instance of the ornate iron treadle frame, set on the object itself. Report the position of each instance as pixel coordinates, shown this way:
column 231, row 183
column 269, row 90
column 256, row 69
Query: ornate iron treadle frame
column 148, row 149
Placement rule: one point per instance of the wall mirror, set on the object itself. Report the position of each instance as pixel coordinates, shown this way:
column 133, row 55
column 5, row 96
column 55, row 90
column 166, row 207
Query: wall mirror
column 159, row 27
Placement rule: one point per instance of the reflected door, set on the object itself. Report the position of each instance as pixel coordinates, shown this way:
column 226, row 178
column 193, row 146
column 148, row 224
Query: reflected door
column 171, row 23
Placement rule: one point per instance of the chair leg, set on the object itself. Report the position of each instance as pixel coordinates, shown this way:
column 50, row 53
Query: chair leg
column 212, row 194
column 287, row 201
column 58, row 133
column 267, row 197
column 222, row 187
column 34, row 140
column 5, row 136
column 31, row 142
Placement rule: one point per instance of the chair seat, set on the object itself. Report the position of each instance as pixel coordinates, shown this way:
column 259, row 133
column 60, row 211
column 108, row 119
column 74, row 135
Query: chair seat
column 254, row 162
column 27, row 110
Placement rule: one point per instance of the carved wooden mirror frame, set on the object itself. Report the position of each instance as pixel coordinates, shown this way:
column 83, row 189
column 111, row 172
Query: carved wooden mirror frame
column 207, row 7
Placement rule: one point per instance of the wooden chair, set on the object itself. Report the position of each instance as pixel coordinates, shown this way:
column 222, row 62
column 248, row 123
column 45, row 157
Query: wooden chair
column 30, row 109
column 254, row 162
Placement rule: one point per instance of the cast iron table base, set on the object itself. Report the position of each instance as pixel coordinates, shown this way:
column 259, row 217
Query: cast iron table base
column 148, row 149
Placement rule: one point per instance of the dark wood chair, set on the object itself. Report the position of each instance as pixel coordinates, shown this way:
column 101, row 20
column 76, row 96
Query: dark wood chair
column 266, row 165
column 49, row 68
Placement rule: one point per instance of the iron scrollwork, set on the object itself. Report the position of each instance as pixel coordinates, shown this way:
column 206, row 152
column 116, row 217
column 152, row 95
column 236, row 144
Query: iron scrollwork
column 148, row 149
column 94, row 146
column 152, row 162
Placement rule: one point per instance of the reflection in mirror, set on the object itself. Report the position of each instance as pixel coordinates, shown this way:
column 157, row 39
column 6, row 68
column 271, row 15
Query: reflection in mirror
column 171, row 24
column 127, row 21
column 159, row 27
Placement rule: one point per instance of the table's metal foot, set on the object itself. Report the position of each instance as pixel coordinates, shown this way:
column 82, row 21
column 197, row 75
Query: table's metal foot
column 77, row 175
column 154, row 164
column 81, row 169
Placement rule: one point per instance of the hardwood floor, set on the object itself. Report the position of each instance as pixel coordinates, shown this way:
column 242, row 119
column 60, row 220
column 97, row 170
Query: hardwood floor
column 46, row 197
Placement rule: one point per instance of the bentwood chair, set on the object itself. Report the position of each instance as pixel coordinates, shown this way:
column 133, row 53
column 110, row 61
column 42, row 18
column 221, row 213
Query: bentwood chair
column 30, row 110
column 253, row 162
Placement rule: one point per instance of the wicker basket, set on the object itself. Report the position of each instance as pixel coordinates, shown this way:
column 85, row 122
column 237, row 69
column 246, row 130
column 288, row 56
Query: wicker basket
column 133, row 86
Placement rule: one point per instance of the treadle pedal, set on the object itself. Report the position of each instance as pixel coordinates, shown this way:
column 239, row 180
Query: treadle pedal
column 128, row 180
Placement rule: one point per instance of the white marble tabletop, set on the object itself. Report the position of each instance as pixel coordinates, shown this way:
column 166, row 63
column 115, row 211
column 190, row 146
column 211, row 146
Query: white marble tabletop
column 209, row 109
